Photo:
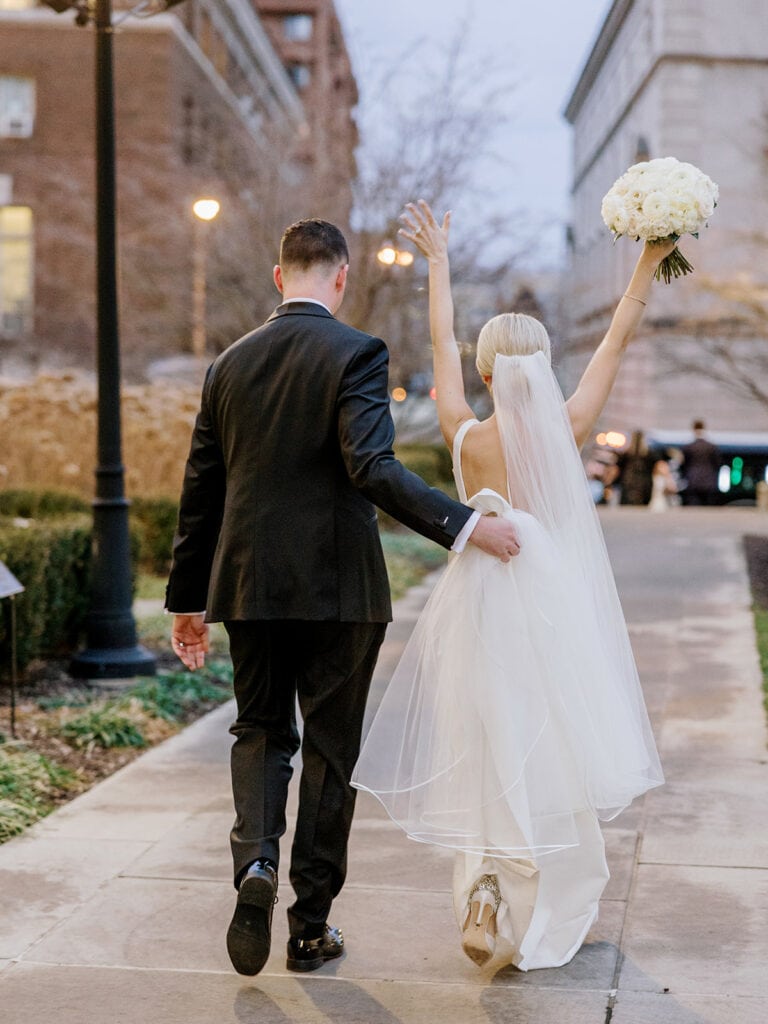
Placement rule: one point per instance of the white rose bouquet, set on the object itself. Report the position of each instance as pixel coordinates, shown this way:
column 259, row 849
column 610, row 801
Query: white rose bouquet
column 661, row 200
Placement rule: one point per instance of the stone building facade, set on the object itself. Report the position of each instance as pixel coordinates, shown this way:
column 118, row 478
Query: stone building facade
column 205, row 106
column 684, row 78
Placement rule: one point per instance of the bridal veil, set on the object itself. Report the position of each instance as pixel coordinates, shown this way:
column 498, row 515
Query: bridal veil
column 516, row 705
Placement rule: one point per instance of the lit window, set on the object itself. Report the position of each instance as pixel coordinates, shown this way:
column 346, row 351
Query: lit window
column 17, row 5
column 17, row 107
column 300, row 75
column 16, row 270
column 298, row 27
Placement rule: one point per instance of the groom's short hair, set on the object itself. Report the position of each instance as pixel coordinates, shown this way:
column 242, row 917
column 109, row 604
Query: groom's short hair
column 310, row 242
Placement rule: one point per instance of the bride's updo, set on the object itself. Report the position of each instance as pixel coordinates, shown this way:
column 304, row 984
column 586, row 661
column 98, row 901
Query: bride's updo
column 510, row 334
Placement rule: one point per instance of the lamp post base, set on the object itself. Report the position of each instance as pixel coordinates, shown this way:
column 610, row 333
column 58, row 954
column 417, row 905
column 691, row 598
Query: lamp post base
column 112, row 663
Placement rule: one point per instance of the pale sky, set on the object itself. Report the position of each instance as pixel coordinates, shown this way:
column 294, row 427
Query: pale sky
column 546, row 43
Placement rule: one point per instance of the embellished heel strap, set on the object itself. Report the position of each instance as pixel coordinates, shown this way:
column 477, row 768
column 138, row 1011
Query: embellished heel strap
column 489, row 884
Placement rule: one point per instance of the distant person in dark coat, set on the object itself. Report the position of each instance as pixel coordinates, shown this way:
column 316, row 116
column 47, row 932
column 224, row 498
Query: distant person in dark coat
column 701, row 465
column 636, row 466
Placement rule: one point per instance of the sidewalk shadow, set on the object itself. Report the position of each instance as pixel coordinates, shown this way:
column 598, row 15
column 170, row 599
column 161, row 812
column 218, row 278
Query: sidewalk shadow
column 337, row 1002
column 348, row 1002
column 494, row 999
column 252, row 1006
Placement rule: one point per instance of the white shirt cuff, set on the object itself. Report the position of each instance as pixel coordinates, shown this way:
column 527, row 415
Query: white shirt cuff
column 464, row 533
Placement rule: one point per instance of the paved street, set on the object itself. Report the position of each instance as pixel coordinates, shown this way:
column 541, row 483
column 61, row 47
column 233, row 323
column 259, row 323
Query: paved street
column 114, row 909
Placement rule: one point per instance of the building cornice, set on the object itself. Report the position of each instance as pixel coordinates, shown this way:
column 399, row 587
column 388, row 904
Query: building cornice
column 665, row 58
column 605, row 37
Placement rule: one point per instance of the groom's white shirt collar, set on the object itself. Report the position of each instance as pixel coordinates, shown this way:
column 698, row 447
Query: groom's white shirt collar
column 317, row 302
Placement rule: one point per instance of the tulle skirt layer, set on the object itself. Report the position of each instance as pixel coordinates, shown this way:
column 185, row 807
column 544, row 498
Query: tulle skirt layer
column 515, row 707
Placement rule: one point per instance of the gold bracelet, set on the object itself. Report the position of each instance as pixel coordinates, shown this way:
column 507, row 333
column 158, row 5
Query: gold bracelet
column 627, row 296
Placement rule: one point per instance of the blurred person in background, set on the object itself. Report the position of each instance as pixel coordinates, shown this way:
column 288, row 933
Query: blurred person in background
column 663, row 487
column 701, row 465
column 636, row 468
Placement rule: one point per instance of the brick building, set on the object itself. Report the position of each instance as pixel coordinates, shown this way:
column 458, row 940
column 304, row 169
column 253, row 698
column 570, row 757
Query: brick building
column 684, row 78
column 307, row 36
column 205, row 106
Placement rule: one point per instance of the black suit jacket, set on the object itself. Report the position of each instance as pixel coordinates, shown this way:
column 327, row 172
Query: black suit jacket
column 701, row 465
column 291, row 449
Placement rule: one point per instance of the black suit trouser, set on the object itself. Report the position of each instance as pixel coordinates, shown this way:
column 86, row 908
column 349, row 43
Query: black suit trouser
column 328, row 665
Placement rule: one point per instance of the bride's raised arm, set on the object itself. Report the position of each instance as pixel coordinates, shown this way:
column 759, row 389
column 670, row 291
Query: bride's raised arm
column 587, row 401
column 431, row 239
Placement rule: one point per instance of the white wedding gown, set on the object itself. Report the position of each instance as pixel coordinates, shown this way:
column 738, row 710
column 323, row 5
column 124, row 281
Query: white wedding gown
column 515, row 720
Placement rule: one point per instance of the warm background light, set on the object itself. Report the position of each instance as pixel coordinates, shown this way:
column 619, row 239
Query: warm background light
column 399, row 394
column 403, row 258
column 206, row 209
column 614, row 439
column 386, row 255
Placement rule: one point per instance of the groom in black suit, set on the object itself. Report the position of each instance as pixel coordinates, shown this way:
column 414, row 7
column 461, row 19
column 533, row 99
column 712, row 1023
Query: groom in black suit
column 278, row 538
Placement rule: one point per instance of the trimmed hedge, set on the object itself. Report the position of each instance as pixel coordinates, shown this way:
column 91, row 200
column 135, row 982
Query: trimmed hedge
column 153, row 521
column 50, row 554
column 432, row 462
column 28, row 504
column 52, row 559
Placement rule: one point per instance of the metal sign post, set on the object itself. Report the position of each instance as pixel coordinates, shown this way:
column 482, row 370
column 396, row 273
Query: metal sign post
column 10, row 587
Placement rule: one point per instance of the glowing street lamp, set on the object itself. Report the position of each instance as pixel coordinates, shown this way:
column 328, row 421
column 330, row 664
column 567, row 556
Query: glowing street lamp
column 205, row 210
column 386, row 255
column 612, row 439
column 389, row 256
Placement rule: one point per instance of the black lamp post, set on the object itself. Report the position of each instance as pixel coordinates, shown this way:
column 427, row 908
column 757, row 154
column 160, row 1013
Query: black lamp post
column 112, row 650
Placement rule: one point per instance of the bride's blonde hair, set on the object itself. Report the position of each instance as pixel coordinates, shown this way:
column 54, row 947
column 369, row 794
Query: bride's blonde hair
column 510, row 334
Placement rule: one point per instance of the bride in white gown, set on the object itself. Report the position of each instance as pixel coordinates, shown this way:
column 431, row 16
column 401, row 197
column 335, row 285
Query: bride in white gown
column 515, row 720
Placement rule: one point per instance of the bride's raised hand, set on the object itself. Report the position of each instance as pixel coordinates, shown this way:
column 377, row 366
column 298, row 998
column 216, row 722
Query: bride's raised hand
column 655, row 252
column 421, row 228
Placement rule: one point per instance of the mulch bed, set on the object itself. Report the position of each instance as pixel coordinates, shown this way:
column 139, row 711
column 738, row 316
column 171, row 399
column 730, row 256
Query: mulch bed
column 49, row 680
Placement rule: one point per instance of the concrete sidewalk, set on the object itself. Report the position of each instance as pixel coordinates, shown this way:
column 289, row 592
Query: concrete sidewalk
column 114, row 909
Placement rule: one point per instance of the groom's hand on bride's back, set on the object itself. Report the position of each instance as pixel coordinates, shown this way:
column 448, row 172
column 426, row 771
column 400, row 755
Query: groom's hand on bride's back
column 496, row 537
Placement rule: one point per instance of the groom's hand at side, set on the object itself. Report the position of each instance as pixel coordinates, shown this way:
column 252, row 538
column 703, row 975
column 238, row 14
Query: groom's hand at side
column 496, row 537
column 189, row 639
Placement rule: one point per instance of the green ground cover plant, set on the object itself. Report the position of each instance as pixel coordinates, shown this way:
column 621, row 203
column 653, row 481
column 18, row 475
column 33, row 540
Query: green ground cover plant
column 105, row 724
column 30, row 787
column 756, row 550
column 70, row 739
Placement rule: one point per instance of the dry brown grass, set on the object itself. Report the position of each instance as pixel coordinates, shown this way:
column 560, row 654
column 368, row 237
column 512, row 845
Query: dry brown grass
column 48, row 434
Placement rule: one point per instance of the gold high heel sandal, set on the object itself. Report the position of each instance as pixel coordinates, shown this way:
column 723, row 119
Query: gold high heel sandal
column 479, row 931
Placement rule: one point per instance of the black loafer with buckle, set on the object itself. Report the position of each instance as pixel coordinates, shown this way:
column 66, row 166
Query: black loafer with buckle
column 250, row 933
column 309, row 954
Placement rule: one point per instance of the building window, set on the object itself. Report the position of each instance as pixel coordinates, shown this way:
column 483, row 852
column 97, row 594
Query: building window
column 16, row 270
column 298, row 27
column 300, row 75
column 17, row 107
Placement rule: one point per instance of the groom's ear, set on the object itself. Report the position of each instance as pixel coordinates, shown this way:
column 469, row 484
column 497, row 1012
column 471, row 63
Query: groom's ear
column 341, row 278
column 277, row 277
